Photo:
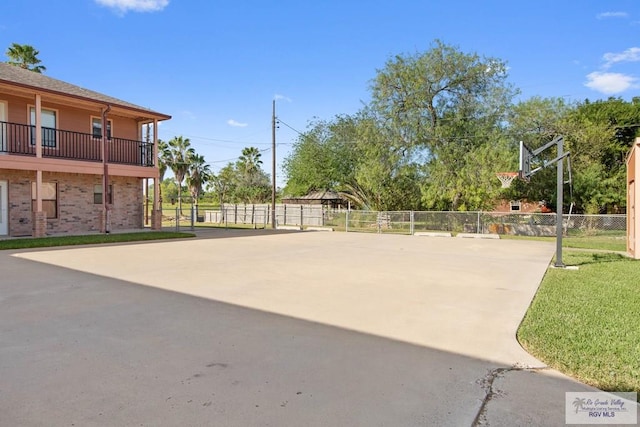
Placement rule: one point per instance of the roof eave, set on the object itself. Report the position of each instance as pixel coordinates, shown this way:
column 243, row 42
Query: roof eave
column 146, row 114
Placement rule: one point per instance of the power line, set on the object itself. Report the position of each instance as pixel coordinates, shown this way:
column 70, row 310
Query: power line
column 290, row 127
column 235, row 158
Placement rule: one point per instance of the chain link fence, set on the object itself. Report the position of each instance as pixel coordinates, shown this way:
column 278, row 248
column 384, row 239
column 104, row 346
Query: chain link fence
column 526, row 224
column 398, row 222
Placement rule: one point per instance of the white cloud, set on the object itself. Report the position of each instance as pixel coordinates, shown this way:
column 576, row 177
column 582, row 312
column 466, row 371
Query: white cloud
column 235, row 124
column 279, row 97
column 630, row 55
column 610, row 83
column 124, row 6
column 606, row 15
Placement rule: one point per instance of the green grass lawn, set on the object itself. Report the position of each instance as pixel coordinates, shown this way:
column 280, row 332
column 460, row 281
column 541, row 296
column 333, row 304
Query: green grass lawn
column 92, row 239
column 606, row 243
column 585, row 323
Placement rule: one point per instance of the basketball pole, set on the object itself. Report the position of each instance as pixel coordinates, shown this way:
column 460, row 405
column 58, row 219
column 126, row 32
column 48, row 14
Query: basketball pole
column 559, row 201
column 526, row 173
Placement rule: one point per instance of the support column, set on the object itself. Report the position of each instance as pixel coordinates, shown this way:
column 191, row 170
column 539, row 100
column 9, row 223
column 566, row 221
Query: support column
column 106, row 214
column 156, row 212
column 39, row 224
column 39, row 217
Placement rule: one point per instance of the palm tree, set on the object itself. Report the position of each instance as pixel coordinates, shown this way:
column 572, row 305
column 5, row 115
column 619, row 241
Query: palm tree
column 224, row 185
column 179, row 157
column 163, row 158
column 199, row 174
column 249, row 164
column 25, row 56
column 250, row 159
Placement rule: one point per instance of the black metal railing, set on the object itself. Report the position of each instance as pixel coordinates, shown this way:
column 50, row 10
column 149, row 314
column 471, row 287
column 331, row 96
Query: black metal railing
column 63, row 144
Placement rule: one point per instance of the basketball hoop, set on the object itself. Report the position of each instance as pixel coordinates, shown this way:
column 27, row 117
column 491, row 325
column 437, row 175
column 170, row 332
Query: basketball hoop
column 506, row 178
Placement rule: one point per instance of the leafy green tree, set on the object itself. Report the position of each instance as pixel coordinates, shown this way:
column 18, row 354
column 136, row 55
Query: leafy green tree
column 537, row 121
column 418, row 95
column 252, row 183
column 169, row 189
column 385, row 177
column 597, row 134
column 352, row 155
column 322, row 158
column 179, row 156
column 224, row 183
column 447, row 108
column 25, row 56
column 601, row 134
column 443, row 122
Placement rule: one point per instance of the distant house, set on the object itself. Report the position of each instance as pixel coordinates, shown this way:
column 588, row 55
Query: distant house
column 520, row 206
column 327, row 198
column 59, row 145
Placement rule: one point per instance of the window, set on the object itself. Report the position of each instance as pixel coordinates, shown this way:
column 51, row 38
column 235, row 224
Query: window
column 97, row 194
column 49, row 198
column 48, row 127
column 96, row 127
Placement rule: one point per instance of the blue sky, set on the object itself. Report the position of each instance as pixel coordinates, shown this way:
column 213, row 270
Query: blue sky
column 216, row 66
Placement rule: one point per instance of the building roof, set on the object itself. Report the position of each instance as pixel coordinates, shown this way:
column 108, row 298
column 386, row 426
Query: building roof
column 318, row 195
column 18, row 76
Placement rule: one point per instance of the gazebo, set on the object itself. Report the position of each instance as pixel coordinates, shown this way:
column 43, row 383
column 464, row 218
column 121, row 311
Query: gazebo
column 327, row 198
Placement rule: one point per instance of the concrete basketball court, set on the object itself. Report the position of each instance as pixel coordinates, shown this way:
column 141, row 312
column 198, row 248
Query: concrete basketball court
column 262, row 328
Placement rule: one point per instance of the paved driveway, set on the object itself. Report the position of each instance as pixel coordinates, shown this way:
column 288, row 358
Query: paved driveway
column 237, row 328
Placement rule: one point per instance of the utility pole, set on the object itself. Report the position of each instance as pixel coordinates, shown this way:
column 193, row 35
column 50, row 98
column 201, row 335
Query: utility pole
column 273, row 166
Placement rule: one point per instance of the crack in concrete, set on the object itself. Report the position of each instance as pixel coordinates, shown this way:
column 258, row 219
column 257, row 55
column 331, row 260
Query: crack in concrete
column 486, row 383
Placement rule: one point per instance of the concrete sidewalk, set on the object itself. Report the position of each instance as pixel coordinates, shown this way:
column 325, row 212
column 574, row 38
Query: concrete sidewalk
column 237, row 328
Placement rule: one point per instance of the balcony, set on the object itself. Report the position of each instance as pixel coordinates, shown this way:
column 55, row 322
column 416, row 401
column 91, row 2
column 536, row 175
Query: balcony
column 20, row 140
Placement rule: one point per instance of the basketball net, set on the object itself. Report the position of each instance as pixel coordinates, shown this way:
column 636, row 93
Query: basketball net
column 506, row 178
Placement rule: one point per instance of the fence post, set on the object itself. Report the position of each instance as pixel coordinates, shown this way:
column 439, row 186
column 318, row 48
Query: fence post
column 478, row 226
column 268, row 211
column 346, row 222
column 253, row 216
column 177, row 220
column 301, row 216
column 411, row 224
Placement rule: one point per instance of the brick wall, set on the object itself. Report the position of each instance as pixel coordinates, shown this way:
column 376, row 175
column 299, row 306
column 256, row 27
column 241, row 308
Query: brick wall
column 77, row 212
column 20, row 215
